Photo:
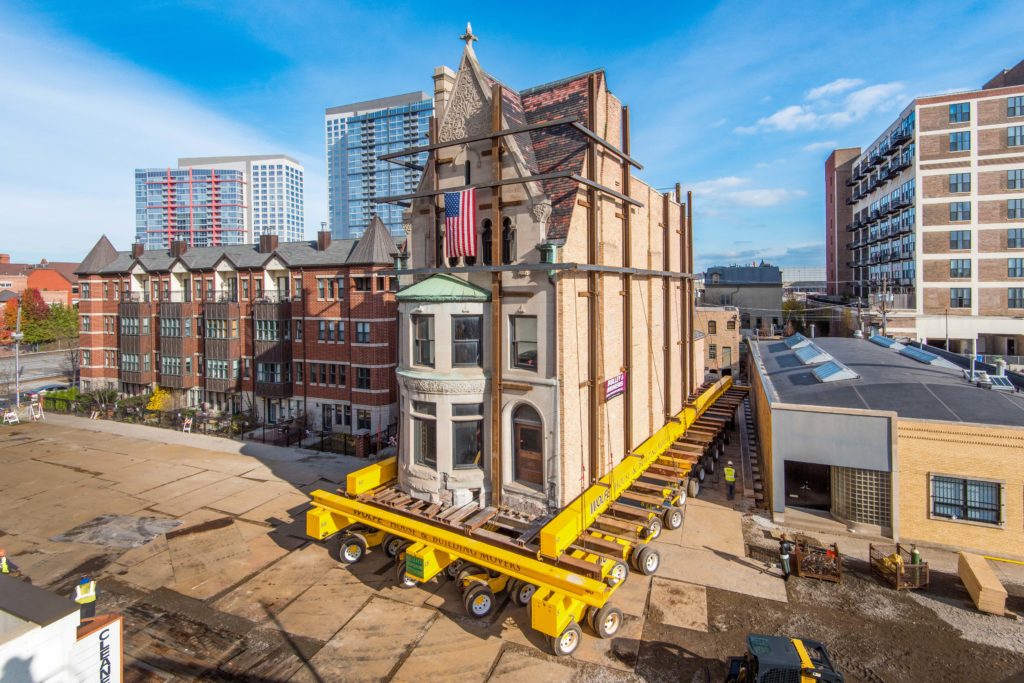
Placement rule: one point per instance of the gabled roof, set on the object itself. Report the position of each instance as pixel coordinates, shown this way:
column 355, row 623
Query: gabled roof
column 65, row 268
column 442, row 288
column 375, row 247
column 378, row 250
column 101, row 255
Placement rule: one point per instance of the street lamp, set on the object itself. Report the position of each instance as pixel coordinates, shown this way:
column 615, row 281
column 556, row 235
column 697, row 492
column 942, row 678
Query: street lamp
column 17, row 337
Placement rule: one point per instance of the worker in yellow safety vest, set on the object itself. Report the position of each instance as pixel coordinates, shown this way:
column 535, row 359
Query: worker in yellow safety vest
column 730, row 479
column 85, row 596
column 6, row 566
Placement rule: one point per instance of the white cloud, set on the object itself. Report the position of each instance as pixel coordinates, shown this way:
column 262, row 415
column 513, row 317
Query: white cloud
column 732, row 191
column 720, row 122
column 84, row 122
column 820, row 146
column 840, row 85
column 822, row 111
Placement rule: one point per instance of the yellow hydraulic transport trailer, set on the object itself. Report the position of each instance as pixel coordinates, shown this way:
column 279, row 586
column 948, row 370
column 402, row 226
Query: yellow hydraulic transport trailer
column 567, row 570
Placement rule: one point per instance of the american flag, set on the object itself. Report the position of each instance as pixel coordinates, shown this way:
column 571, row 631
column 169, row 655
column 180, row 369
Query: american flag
column 460, row 223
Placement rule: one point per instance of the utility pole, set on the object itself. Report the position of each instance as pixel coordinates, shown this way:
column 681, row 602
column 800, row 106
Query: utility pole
column 947, row 329
column 884, row 302
column 17, row 336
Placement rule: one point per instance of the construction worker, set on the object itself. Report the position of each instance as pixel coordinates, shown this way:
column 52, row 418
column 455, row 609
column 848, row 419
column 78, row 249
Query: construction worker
column 730, row 479
column 85, row 595
column 6, row 566
column 786, row 549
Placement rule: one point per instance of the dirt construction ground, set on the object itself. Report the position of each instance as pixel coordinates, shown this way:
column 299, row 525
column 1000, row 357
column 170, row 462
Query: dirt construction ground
column 199, row 543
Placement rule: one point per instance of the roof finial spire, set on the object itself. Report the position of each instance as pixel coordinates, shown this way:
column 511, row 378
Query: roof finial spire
column 468, row 35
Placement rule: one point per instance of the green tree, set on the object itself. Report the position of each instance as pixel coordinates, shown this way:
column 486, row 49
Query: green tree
column 35, row 317
column 794, row 313
column 63, row 322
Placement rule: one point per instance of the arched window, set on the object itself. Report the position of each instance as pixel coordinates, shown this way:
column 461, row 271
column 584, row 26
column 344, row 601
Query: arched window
column 508, row 241
column 528, row 442
column 485, row 239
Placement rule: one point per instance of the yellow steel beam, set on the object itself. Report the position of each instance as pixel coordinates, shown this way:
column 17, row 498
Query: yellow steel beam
column 331, row 513
column 577, row 516
column 372, row 476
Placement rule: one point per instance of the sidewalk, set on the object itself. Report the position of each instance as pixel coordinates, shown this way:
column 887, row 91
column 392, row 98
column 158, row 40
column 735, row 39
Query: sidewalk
column 173, row 437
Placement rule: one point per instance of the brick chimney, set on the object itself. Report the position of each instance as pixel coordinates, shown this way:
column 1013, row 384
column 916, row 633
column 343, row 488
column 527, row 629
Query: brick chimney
column 323, row 240
column 444, row 84
column 5, row 258
column 137, row 249
column 268, row 243
column 178, row 247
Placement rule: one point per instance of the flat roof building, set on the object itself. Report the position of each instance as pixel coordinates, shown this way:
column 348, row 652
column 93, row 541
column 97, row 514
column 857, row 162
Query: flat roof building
column 890, row 439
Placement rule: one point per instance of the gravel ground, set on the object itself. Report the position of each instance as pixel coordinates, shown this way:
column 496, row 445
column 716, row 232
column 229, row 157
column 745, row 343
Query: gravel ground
column 873, row 633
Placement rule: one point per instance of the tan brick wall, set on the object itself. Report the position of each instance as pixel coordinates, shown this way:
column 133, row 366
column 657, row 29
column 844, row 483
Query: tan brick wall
column 992, row 141
column 970, row 451
column 993, row 301
column 992, row 240
column 938, row 243
column 938, row 214
column 936, row 301
column 938, row 271
column 936, row 146
column 992, row 269
column 993, row 182
column 938, row 185
column 992, row 111
column 993, row 211
column 937, row 118
column 722, row 337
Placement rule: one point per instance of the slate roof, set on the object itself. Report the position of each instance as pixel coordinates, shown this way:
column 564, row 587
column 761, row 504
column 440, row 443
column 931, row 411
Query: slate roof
column 888, row 381
column 374, row 248
column 442, row 288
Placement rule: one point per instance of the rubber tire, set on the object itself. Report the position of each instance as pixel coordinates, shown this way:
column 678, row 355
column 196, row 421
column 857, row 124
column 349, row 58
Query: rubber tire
column 481, row 593
column 356, row 541
column 694, row 487
column 653, row 528
column 709, row 464
column 453, row 569
column 392, row 545
column 623, row 570
column 466, row 571
column 568, row 642
column 523, row 593
column 648, row 560
column 606, row 621
column 400, row 576
column 700, row 472
column 672, row 518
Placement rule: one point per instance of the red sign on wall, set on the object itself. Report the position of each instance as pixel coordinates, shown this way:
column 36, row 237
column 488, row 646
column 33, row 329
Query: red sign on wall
column 615, row 386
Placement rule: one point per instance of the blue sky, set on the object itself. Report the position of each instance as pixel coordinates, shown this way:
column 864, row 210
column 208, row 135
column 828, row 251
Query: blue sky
column 739, row 101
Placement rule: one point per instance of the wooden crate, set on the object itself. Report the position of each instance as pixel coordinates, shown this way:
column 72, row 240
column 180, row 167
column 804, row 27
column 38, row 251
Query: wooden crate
column 900, row 575
column 981, row 582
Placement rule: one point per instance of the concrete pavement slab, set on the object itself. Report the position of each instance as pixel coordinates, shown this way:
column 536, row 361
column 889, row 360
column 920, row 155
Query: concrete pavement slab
column 286, row 507
column 246, row 500
column 174, row 489
column 713, row 527
column 150, row 573
column 720, row 570
column 203, row 497
column 273, row 588
column 450, row 645
column 620, row 652
column 679, row 604
column 146, row 476
column 515, row 667
column 631, row 597
column 326, row 606
column 371, row 645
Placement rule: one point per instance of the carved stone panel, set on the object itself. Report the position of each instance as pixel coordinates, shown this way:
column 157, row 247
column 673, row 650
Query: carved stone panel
column 466, row 114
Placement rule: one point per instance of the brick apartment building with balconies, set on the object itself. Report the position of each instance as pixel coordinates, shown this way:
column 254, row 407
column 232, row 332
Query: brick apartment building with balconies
column 284, row 329
column 929, row 219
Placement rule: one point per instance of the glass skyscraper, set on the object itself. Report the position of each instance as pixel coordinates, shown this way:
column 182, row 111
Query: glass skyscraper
column 356, row 135
column 210, row 201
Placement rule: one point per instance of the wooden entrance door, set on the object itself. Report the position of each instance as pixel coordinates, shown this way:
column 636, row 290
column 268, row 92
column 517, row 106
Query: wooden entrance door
column 529, row 453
